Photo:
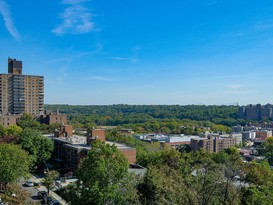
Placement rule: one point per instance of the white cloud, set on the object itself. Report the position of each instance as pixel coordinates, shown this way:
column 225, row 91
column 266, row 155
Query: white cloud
column 58, row 60
column 60, row 77
column 212, row 3
column 120, row 58
column 76, row 19
column 101, row 78
column 264, row 26
column 234, row 86
column 74, row 1
column 132, row 60
column 5, row 12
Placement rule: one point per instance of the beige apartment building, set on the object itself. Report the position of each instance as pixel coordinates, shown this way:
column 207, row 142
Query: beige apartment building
column 212, row 143
column 20, row 93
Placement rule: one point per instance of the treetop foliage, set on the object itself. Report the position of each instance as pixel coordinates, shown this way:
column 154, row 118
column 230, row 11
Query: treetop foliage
column 14, row 162
column 131, row 114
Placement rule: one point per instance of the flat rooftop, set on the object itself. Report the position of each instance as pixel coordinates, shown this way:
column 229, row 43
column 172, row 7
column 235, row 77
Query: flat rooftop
column 80, row 142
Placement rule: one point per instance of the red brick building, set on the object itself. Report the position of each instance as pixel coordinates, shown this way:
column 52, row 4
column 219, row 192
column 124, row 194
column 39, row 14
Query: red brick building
column 48, row 119
column 96, row 134
column 64, row 131
column 212, row 143
column 71, row 149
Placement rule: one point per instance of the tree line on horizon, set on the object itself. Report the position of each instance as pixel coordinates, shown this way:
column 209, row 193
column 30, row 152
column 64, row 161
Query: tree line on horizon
column 176, row 119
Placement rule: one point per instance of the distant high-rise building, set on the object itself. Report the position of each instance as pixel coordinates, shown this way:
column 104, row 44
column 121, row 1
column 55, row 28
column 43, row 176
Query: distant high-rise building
column 20, row 93
column 256, row 112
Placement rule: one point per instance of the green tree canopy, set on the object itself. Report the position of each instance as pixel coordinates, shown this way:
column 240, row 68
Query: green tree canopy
column 50, row 177
column 163, row 185
column 103, row 178
column 13, row 130
column 39, row 147
column 259, row 177
column 14, row 162
column 27, row 121
column 267, row 150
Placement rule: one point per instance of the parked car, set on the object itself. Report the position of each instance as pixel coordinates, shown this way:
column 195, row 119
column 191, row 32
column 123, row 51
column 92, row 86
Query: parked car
column 47, row 200
column 41, row 194
column 55, row 202
column 29, row 183
column 37, row 183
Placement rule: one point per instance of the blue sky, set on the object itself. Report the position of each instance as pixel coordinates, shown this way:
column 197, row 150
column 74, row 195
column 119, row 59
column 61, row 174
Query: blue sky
column 143, row 52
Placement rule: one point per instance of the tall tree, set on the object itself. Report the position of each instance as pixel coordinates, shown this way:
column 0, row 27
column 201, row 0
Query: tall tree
column 14, row 162
column 163, row 185
column 50, row 177
column 27, row 121
column 13, row 130
column 267, row 150
column 103, row 178
column 38, row 146
column 259, row 178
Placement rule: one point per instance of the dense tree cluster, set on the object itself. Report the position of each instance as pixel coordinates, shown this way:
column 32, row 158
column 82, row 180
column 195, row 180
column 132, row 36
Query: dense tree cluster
column 38, row 147
column 172, row 177
column 157, row 118
column 22, row 149
column 103, row 179
column 266, row 149
column 14, row 163
column 27, row 121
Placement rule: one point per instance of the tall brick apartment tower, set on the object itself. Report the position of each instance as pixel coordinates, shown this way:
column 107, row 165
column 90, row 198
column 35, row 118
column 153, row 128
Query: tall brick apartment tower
column 20, row 93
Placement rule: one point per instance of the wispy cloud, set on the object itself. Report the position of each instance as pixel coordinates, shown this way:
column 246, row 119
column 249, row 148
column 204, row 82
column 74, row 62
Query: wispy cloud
column 264, row 26
column 60, row 76
column 100, row 78
column 77, row 19
column 5, row 12
column 240, row 34
column 234, row 86
column 133, row 59
column 74, row 1
column 244, row 76
column 98, row 49
column 212, row 3
column 58, row 60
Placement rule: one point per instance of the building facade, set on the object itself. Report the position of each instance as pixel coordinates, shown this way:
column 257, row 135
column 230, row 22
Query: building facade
column 255, row 112
column 249, row 135
column 20, row 93
column 263, row 134
column 212, row 143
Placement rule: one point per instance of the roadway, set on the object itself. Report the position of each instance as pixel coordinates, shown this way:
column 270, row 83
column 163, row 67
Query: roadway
column 33, row 191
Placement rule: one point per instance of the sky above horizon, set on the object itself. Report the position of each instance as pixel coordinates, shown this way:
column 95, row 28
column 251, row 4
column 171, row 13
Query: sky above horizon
column 143, row 52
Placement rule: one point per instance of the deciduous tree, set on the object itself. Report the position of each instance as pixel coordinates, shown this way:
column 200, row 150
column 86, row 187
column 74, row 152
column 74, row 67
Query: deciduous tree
column 267, row 150
column 14, row 162
column 38, row 146
column 50, row 177
column 27, row 121
column 103, row 179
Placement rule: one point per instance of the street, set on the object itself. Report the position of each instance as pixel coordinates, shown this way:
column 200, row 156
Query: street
column 31, row 190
